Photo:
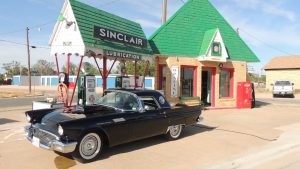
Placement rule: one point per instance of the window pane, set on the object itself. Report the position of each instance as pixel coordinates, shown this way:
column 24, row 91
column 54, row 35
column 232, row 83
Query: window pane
column 164, row 78
column 224, row 83
column 187, row 82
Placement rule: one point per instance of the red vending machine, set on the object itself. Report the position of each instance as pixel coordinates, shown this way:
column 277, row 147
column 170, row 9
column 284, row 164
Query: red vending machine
column 245, row 95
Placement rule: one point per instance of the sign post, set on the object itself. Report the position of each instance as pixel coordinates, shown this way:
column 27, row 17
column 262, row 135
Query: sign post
column 174, row 81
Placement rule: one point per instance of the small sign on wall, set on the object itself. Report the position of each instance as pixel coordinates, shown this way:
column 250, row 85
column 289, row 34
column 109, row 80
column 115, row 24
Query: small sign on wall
column 174, row 81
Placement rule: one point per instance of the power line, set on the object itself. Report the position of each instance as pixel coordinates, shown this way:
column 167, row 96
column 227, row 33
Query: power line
column 23, row 44
column 270, row 46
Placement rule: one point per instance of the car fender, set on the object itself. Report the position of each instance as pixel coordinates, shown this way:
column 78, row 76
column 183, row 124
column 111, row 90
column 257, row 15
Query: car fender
column 99, row 130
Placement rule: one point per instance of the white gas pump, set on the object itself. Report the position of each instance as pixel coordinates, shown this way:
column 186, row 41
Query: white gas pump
column 87, row 90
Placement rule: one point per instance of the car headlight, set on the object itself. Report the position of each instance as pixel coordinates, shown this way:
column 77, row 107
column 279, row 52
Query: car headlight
column 28, row 118
column 60, row 130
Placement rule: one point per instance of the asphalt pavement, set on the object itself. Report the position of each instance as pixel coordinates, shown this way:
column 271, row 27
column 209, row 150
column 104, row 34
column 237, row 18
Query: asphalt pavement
column 280, row 101
column 19, row 102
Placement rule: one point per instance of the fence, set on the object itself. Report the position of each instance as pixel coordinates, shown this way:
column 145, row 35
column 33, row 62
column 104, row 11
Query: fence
column 53, row 81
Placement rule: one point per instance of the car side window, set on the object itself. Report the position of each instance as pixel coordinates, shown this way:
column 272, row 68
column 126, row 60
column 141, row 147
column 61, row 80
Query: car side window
column 130, row 103
column 150, row 103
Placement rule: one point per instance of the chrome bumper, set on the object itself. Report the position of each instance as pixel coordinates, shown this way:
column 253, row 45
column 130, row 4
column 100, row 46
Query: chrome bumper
column 53, row 145
column 283, row 92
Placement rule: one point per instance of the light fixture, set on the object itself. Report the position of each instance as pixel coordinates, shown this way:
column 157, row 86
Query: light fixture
column 221, row 65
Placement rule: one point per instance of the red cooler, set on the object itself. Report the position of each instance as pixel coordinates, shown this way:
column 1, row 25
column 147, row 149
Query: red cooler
column 244, row 95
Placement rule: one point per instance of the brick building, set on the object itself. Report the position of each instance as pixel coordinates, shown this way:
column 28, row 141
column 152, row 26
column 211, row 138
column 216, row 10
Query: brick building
column 198, row 55
column 283, row 68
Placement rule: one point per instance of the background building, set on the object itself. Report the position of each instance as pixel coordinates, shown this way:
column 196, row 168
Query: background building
column 283, row 68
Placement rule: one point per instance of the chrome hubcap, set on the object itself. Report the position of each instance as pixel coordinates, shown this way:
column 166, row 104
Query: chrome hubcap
column 175, row 130
column 90, row 146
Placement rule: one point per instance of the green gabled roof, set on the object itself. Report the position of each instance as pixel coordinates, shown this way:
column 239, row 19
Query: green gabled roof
column 87, row 17
column 184, row 32
column 207, row 40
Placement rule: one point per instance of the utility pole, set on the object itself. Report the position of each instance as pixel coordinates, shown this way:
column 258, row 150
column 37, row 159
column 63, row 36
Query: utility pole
column 164, row 12
column 28, row 54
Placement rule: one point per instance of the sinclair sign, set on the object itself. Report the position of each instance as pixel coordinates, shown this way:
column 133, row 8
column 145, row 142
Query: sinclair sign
column 107, row 34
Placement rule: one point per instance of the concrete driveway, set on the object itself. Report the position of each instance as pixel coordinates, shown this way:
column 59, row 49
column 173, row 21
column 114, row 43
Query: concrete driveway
column 227, row 139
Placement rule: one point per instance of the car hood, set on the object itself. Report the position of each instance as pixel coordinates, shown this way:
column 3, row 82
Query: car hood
column 57, row 116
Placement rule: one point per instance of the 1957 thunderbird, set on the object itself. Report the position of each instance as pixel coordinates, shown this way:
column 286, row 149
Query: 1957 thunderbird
column 120, row 116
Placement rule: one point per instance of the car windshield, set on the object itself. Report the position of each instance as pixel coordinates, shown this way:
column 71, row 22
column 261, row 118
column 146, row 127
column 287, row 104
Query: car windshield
column 120, row 100
column 282, row 83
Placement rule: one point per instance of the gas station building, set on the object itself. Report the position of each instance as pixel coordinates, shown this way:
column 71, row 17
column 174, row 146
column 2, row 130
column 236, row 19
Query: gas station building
column 199, row 56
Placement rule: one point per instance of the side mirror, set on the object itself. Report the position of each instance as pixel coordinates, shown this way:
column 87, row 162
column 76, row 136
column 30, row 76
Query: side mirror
column 293, row 84
column 147, row 107
column 141, row 110
column 272, row 84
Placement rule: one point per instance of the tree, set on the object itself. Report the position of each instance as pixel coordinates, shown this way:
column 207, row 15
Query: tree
column 1, row 79
column 14, row 68
column 73, row 69
column 256, row 78
column 90, row 68
column 43, row 67
column 141, row 66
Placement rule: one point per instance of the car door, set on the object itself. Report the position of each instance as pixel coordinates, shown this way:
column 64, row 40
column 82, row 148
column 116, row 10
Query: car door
column 149, row 123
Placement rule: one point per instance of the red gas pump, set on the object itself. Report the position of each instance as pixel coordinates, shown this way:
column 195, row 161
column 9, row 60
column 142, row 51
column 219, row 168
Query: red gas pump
column 244, row 95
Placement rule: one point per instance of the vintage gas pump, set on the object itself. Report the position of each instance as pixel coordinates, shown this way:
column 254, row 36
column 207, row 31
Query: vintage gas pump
column 87, row 90
column 62, row 95
column 123, row 81
column 62, row 87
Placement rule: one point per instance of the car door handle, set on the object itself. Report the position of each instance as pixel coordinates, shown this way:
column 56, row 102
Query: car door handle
column 118, row 120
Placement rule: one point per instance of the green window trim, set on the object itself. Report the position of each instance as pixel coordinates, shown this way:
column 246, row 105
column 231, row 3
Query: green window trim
column 213, row 52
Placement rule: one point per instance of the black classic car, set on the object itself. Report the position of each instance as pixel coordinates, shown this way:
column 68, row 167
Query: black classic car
column 120, row 116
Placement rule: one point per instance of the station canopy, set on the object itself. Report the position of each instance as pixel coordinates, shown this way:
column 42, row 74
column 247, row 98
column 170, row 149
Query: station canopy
column 87, row 31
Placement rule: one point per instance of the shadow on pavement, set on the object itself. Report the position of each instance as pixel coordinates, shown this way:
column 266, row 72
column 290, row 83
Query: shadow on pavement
column 65, row 160
column 128, row 147
column 259, row 104
column 5, row 121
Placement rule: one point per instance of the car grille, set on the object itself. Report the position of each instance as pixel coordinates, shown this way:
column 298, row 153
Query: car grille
column 45, row 137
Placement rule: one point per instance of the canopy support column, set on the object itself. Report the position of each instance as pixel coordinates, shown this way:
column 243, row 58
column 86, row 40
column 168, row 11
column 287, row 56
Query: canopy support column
column 76, row 81
column 135, row 74
column 99, row 69
column 112, row 66
column 145, row 73
column 57, row 66
column 68, row 74
column 104, row 74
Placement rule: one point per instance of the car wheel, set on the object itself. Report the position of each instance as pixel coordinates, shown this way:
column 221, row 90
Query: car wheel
column 274, row 95
column 88, row 148
column 174, row 132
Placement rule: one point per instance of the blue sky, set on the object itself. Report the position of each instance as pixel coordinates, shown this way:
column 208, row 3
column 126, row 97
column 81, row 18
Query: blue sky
column 269, row 27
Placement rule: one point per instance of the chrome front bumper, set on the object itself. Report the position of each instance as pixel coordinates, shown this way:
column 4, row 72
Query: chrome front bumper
column 52, row 144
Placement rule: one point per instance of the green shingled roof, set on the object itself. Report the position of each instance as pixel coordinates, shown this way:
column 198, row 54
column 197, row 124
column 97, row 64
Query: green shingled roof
column 87, row 17
column 191, row 27
column 207, row 40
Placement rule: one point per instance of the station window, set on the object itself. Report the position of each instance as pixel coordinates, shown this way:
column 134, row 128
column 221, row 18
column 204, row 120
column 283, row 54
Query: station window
column 226, row 83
